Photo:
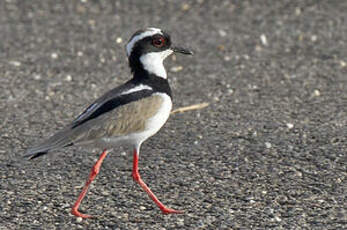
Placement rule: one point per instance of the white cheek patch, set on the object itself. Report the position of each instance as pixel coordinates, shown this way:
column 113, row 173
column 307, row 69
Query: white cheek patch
column 148, row 33
column 153, row 62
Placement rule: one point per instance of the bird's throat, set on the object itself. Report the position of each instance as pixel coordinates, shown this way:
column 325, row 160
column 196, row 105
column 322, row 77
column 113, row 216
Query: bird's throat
column 153, row 64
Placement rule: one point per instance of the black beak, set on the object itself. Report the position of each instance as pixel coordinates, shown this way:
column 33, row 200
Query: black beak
column 181, row 50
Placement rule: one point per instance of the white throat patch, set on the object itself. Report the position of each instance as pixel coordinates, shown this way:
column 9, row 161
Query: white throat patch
column 147, row 33
column 153, row 62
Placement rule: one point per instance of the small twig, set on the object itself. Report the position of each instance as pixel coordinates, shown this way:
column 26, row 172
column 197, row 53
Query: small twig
column 191, row 107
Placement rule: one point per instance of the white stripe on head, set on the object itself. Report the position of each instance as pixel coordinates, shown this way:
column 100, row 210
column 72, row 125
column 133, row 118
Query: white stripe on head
column 136, row 89
column 147, row 33
column 153, row 62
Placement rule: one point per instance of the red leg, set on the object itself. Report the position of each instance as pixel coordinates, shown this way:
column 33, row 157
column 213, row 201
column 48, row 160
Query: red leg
column 137, row 178
column 95, row 170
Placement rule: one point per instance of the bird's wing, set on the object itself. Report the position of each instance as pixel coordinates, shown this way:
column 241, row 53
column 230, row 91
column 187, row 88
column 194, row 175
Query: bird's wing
column 126, row 119
column 100, row 104
column 105, row 112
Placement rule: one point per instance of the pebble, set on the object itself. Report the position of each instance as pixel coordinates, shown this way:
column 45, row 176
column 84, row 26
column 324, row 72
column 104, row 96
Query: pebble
column 227, row 58
column 221, row 47
column 176, row 69
column 263, row 39
column 277, row 218
column 222, row 33
column 15, row 63
column 316, row 93
column 54, row 55
column 297, row 11
column 79, row 219
column 268, row 145
column 180, row 221
column 290, row 125
column 68, row 78
column 314, row 38
column 37, row 77
column 185, row 7
column 119, row 40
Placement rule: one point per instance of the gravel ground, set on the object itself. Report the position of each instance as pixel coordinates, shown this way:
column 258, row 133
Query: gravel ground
column 269, row 152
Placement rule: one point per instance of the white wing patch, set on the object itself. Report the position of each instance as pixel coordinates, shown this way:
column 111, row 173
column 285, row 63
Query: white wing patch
column 92, row 107
column 82, row 115
column 136, row 89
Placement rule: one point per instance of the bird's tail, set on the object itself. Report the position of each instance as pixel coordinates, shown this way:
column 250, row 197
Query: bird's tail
column 57, row 141
column 31, row 155
column 41, row 150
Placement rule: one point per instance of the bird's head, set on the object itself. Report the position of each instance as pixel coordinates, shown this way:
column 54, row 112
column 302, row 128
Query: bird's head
column 147, row 49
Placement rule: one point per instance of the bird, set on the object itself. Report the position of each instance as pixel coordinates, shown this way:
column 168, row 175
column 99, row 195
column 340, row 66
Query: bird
column 126, row 115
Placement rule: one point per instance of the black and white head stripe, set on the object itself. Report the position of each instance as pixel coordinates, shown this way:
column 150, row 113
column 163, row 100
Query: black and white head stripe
column 139, row 35
column 147, row 49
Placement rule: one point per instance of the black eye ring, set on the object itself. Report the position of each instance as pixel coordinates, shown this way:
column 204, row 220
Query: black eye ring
column 158, row 41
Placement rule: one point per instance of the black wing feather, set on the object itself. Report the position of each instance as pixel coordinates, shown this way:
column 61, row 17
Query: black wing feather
column 111, row 104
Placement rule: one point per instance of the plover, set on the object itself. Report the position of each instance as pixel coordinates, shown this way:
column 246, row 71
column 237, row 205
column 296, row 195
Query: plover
column 126, row 115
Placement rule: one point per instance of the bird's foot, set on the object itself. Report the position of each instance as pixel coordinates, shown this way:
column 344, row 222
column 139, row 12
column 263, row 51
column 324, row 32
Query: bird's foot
column 75, row 212
column 166, row 211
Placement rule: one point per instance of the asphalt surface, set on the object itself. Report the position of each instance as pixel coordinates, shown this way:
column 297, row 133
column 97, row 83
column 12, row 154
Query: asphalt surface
column 269, row 152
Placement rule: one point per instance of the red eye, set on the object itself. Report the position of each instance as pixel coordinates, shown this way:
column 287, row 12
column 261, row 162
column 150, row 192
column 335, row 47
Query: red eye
column 158, row 41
